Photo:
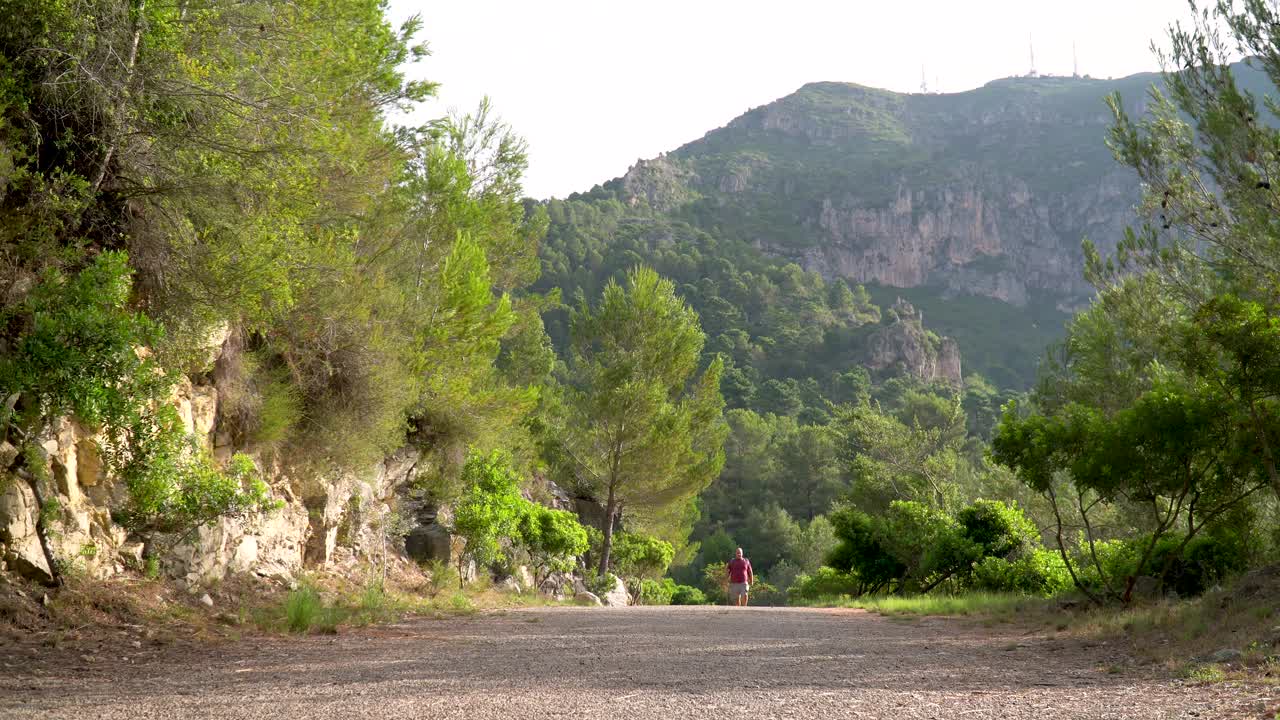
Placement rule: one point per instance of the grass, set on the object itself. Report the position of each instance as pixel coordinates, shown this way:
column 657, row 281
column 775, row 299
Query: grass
column 993, row 605
column 1178, row 636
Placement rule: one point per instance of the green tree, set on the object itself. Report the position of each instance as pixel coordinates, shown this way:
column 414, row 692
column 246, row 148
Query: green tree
column 640, row 434
column 490, row 510
column 638, row 557
column 554, row 539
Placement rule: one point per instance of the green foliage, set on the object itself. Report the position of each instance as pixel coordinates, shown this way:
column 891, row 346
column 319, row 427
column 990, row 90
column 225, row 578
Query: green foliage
column 1001, row 530
column 178, row 487
column 859, row 552
column 1039, row 572
column 440, row 576
column 638, row 555
column 598, row 584
column 765, row 593
column 641, row 432
column 554, row 540
column 715, row 582
column 490, row 509
column 656, row 592
column 687, row 595
column 825, row 582
column 304, row 609
column 242, row 153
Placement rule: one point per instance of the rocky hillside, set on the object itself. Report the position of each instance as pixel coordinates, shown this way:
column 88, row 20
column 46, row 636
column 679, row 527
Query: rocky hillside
column 950, row 200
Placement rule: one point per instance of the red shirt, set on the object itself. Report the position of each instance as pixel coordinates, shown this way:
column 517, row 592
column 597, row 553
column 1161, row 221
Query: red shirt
column 739, row 570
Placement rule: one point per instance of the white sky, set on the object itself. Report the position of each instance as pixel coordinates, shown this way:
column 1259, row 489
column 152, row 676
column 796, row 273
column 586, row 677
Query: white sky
column 595, row 84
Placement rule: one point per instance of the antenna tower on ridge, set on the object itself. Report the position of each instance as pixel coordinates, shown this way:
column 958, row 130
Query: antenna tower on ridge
column 1075, row 61
column 924, row 85
column 1032, row 45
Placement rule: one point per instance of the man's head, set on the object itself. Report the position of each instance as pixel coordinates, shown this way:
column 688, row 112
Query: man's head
column 738, row 553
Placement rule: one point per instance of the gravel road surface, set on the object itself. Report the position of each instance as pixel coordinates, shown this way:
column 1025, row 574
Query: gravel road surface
column 631, row 663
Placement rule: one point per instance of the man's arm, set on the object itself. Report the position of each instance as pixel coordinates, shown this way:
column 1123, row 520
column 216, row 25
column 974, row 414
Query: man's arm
column 751, row 574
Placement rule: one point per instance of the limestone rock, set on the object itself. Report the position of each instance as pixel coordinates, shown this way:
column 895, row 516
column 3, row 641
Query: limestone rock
column 131, row 554
column 524, row 578
column 589, row 597
column 904, row 343
column 206, row 601
column 18, row 540
column 8, row 453
column 618, row 596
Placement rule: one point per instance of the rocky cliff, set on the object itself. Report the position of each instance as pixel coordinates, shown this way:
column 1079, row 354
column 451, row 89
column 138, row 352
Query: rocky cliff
column 987, row 192
column 906, row 347
column 337, row 518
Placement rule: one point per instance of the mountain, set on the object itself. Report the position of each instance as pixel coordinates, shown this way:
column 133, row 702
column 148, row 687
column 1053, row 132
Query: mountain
column 971, row 206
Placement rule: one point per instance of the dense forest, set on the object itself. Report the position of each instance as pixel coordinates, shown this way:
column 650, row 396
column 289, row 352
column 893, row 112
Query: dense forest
column 212, row 192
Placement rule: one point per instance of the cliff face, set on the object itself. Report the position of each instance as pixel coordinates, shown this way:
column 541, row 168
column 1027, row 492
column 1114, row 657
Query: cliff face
column 988, row 236
column 327, row 520
column 906, row 347
column 988, row 192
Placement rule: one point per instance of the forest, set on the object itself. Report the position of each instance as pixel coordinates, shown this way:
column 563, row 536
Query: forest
column 215, row 192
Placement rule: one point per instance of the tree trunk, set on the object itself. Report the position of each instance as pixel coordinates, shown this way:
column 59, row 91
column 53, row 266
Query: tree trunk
column 1268, row 458
column 1062, row 549
column 130, row 64
column 610, row 509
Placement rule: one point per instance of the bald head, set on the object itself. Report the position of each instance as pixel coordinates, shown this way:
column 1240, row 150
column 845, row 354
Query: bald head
column 738, row 553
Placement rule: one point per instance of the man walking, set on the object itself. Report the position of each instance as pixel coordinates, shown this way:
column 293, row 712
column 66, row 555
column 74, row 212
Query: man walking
column 740, row 579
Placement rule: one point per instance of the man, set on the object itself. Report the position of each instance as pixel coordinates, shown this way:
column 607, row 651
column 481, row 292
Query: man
column 740, row 579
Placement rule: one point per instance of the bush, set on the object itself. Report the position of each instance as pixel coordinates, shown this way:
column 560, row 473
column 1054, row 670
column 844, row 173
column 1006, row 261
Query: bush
column 715, row 582
column 1206, row 561
column 303, row 609
column 826, row 582
column 686, row 595
column 490, row 510
column 1002, row 530
column 1040, row 572
column 553, row 539
column 859, row 552
column 763, row 593
column 598, row 584
column 441, row 576
column 653, row 592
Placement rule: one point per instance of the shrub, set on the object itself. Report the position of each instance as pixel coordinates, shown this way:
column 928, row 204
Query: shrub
column 654, row 592
column 826, row 582
column 1001, row 530
column 1206, row 561
column 303, row 609
column 687, row 595
column 638, row 557
column 715, row 582
column 764, row 593
column 553, row 539
column 599, row 584
column 1040, row 572
column 859, row 552
column 441, row 576
column 490, row 509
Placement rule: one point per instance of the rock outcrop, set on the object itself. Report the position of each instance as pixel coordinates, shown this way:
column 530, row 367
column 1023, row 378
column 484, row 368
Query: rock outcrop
column 322, row 520
column 905, row 346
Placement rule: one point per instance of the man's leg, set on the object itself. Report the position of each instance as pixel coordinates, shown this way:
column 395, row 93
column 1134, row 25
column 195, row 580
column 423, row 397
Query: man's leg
column 742, row 599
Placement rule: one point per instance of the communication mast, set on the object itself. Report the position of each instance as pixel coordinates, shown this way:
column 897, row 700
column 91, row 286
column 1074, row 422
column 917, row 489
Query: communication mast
column 1032, row 45
column 1075, row 61
column 924, row 85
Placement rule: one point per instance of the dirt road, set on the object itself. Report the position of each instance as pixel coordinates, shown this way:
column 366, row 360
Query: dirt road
column 637, row 663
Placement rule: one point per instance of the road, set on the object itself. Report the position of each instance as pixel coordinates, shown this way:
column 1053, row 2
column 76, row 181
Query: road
column 632, row 663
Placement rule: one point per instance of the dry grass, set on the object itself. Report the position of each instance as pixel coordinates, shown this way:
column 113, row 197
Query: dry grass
column 1179, row 637
column 131, row 615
